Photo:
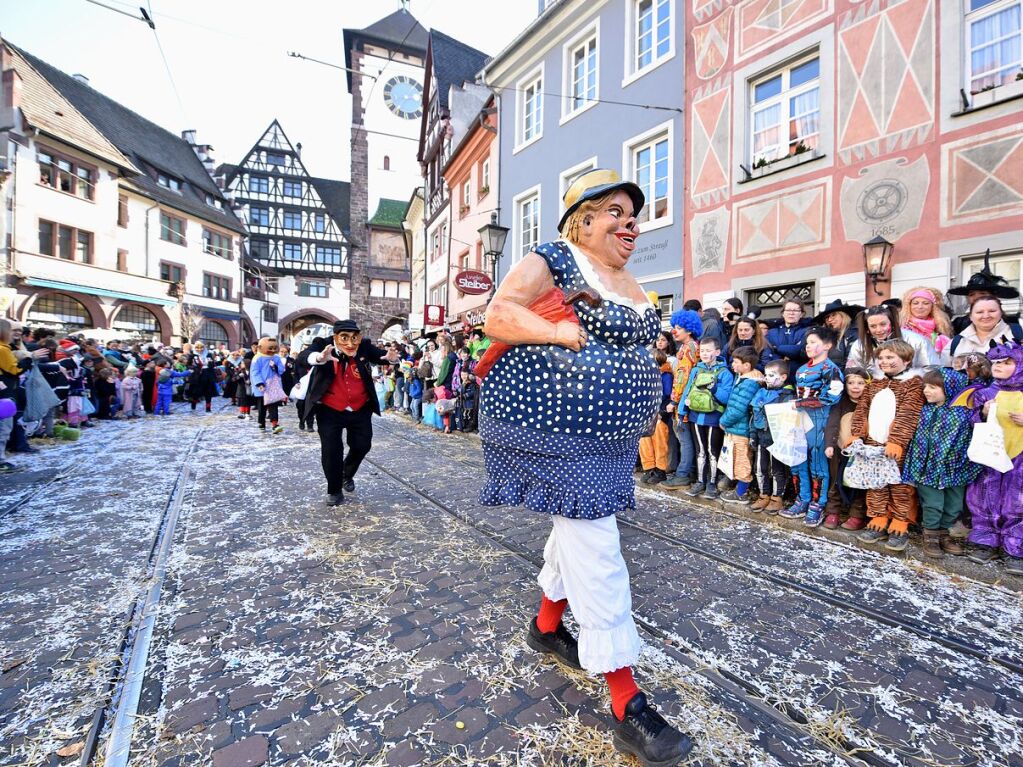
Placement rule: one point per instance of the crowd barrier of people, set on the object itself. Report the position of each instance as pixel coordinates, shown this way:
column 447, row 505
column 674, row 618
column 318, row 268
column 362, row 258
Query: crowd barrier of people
column 867, row 420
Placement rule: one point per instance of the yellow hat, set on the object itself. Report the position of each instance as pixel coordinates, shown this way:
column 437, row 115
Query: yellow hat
column 595, row 184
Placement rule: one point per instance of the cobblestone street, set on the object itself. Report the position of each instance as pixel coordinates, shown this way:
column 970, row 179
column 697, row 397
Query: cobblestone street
column 390, row 630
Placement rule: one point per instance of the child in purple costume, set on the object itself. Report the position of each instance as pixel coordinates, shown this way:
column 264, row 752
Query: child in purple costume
column 996, row 499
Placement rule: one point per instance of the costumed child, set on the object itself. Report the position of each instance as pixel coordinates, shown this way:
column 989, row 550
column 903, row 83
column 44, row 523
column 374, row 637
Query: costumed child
column 469, row 399
column 937, row 462
column 415, row 390
column 703, row 402
column 686, row 329
column 819, row 385
column 131, row 393
column 996, row 498
column 653, row 450
column 887, row 415
column 265, row 375
column 978, row 371
column 106, row 394
column 165, row 379
column 836, row 434
column 772, row 474
column 735, row 421
column 243, row 388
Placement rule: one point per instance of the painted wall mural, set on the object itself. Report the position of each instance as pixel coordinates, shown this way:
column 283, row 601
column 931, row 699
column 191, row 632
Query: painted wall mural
column 886, row 199
column 704, row 9
column 982, row 176
column 710, row 143
column 708, row 233
column 711, row 45
column 886, row 90
column 762, row 23
column 781, row 223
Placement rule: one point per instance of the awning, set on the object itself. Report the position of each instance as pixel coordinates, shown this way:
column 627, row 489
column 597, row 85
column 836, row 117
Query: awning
column 74, row 288
column 212, row 315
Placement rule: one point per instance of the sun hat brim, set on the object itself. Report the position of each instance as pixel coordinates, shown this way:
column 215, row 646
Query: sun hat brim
column 631, row 189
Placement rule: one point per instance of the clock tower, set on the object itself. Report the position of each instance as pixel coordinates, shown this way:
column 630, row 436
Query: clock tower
column 386, row 84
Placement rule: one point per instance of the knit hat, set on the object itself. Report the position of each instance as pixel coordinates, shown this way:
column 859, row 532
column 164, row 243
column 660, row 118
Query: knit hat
column 68, row 346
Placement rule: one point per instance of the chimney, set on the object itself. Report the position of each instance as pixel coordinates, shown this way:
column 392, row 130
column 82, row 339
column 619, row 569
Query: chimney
column 189, row 136
column 298, row 149
column 81, row 78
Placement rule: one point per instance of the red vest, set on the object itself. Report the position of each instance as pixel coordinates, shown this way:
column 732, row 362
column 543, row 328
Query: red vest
column 347, row 391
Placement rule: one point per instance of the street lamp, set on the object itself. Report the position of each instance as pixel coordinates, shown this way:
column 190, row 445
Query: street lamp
column 493, row 236
column 877, row 260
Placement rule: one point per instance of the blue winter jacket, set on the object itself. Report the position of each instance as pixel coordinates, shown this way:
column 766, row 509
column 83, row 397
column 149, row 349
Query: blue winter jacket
column 263, row 367
column 415, row 388
column 721, row 390
column 789, row 341
column 735, row 419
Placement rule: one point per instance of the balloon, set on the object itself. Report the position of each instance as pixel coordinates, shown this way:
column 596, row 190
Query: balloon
column 7, row 408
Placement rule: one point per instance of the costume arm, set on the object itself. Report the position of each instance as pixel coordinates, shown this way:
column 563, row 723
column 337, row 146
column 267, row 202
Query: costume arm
column 833, row 392
column 859, row 419
column 509, row 319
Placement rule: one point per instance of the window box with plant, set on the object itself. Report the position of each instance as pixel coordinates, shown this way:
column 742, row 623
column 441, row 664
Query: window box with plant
column 798, row 155
column 484, row 191
column 993, row 93
column 463, row 211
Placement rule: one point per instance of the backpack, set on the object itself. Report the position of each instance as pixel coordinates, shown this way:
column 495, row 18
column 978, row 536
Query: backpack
column 701, row 396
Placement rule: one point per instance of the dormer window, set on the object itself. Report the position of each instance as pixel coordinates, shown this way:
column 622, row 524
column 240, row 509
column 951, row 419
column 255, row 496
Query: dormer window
column 169, row 182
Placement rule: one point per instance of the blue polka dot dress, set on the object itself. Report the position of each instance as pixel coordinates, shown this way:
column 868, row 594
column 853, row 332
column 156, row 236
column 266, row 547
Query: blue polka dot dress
column 561, row 429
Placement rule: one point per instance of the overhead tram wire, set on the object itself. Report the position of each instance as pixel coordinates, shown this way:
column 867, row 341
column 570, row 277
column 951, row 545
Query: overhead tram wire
column 166, row 64
column 658, row 107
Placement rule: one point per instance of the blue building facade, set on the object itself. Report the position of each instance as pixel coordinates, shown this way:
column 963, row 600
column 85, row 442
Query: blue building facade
column 591, row 84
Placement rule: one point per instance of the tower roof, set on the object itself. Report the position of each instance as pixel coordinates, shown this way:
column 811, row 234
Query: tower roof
column 453, row 63
column 399, row 31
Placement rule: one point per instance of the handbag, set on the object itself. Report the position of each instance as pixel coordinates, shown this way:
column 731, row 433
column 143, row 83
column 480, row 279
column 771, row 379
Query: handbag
column 87, row 407
column 869, row 468
column 726, row 461
column 987, row 443
column 298, row 391
column 273, row 392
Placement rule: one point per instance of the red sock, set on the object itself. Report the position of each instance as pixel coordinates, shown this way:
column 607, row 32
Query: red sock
column 623, row 689
column 550, row 614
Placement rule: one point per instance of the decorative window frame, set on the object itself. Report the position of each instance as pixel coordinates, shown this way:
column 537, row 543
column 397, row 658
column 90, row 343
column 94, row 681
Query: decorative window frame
column 535, row 75
column 76, row 165
column 821, row 40
column 568, row 175
column 953, row 72
column 588, row 34
column 517, row 202
column 629, row 147
column 172, row 237
column 632, row 74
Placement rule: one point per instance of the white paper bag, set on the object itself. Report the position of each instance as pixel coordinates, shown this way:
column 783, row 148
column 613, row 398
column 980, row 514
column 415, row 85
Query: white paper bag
column 726, row 461
column 987, row 445
column 298, row 390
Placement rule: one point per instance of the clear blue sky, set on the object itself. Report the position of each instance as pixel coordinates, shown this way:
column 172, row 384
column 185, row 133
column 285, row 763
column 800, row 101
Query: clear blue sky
column 228, row 59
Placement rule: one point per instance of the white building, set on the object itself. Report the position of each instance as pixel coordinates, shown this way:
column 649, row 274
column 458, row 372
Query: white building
column 296, row 265
column 110, row 220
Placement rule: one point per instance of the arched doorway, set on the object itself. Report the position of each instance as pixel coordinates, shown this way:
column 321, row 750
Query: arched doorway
column 213, row 334
column 299, row 328
column 395, row 331
column 137, row 323
column 59, row 311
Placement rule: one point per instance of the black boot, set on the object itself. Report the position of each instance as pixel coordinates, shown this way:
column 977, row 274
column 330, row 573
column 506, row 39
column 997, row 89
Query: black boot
column 558, row 642
column 646, row 735
column 335, row 499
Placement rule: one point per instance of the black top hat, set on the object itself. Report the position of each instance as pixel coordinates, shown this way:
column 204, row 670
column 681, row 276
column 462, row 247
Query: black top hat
column 987, row 281
column 838, row 305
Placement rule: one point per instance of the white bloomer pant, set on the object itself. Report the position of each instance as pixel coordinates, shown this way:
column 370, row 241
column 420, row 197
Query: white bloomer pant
column 583, row 563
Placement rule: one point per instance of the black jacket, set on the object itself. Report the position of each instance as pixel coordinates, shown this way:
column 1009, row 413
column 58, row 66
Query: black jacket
column 323, row 375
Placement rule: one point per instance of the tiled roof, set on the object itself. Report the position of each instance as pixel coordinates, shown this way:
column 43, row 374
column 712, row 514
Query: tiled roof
column 454, row 63
column 399, row 30
column 147, row 145
column 47, row 110
column 390, row 213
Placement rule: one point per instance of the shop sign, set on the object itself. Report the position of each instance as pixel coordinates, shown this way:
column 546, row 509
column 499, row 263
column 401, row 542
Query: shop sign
column 475, row 317
column 433, row 314
column 473, row 283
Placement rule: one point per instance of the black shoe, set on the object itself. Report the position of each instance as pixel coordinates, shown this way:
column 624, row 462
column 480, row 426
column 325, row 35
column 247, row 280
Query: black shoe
column 558, row 642
column 349, row 486
column 335, row 499
column 646, row 735
column 982, row 554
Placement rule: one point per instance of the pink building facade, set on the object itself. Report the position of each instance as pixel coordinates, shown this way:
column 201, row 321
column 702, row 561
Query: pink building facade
column 815, row 126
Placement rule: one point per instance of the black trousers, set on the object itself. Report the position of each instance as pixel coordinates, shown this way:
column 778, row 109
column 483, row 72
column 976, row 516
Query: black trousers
column 264, row 409
column 304, row 418
column 336, row 427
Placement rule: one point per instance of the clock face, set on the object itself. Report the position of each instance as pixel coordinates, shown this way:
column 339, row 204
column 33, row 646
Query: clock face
column 404, row 97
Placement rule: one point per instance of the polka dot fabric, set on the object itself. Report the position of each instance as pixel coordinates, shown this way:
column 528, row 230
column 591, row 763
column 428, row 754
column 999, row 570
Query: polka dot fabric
column 561, row 429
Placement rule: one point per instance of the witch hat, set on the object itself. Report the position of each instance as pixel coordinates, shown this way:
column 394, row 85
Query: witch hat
column 987, row 281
